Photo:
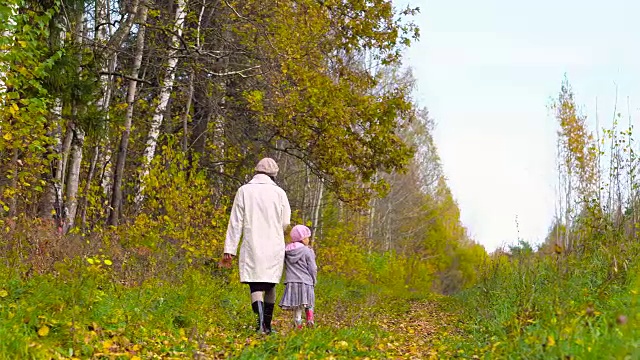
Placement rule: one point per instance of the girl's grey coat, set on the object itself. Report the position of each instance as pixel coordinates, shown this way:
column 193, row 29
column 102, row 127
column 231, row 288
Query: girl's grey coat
column 301, row 266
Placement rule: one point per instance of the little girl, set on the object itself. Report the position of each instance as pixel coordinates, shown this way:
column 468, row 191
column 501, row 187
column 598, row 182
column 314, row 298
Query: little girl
column 301, row 271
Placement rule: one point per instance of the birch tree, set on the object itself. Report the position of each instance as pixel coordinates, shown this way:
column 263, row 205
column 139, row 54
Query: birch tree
column 166, row 87
column 77, row 135
column 579, row 158
column 116, row 197
column 111, row 42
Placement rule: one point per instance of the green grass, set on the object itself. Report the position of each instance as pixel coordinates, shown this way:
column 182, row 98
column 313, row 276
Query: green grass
column 83, row 312
column 539, row 308
column 532, row 308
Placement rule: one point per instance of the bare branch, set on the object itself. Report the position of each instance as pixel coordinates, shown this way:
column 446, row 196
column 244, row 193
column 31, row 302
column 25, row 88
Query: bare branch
column 125, row 27
column 237, row 72
column 236, row 12
column 125, row 77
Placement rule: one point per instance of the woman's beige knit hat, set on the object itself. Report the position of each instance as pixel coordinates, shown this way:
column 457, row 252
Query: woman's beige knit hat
column 268, row 166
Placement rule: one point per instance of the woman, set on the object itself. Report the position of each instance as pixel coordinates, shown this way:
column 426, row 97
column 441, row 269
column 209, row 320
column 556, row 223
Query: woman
column 261, row 213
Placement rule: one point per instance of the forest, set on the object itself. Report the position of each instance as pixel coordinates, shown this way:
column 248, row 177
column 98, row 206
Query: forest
column 126, row 128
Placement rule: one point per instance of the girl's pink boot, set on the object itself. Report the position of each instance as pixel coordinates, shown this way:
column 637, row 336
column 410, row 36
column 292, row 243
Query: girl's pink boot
column 310, row 321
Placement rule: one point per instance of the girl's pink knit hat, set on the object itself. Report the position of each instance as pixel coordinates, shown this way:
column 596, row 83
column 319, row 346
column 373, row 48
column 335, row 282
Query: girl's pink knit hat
column 299, row 232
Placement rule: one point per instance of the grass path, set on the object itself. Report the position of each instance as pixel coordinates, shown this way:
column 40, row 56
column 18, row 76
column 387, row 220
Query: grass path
column 411, row 330
column 205, row 317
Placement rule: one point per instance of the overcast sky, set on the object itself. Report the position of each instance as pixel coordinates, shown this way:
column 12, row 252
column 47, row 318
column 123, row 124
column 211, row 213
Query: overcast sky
column 487, row 70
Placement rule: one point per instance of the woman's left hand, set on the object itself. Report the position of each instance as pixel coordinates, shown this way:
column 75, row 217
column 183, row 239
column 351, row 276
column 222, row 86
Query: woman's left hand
column 226, row 261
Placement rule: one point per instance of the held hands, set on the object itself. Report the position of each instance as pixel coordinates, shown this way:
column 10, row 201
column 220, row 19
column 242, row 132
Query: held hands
column 226, row 261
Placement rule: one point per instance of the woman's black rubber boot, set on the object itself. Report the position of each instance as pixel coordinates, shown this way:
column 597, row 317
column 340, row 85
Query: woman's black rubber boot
column 258, row 308
column 268, row 315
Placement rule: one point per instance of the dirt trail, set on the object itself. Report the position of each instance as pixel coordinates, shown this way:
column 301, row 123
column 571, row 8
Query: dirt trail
column 412, row 334
column 416, row 334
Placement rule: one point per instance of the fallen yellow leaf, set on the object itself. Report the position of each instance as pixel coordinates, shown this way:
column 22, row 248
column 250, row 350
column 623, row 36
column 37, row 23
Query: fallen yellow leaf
column 43, row 331
column 107, row 344
column 551, row 341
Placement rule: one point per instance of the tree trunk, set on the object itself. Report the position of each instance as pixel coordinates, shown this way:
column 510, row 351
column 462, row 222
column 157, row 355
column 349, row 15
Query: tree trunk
column 54, row 203
column 316, row 214
column 568, row 214
column 372, row 215
column 116, row 197
column 186, row 117
column 101, row 36
column 73, row 178
column 77, row 143
column 103, row 106
column 111, row 41
column 52, row 200
column 559, row 216
column 305, row 190
column 165, row 92
column 64, row 159
column 87, row 186
column 102, row 33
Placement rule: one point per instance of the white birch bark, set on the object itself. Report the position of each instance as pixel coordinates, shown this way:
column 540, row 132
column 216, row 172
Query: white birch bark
column 75, row 155
column 73, row 179
column 316, row 214
column 163, row 100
